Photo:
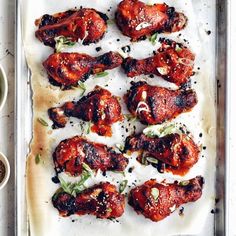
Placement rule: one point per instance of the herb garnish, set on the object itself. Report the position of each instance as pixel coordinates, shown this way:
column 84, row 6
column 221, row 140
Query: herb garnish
column 88, row 127
column 82, row 87
column 159, row 130
column 102, row 74
column 37, row 159
column 63, row 42
column 152, row 160
column 153, row 38
column 119, row 172
column 42, row 122
column 130, row 117
column 155, row 193
column 111, row 21
column 123, row 185
column 184, row 183
column 178, row 48
column 120, row 147
column 144, row 161
column 74, row 188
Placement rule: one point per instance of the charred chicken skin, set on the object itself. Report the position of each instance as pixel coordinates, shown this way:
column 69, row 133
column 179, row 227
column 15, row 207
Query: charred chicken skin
column 84, row 24
column 70, row 155
column 66, row 69
column 99, row 107
column 173, row 62
column 177, row 152
column 102, row 201
column 156, row 200
column 155, row 105
column 138, row 20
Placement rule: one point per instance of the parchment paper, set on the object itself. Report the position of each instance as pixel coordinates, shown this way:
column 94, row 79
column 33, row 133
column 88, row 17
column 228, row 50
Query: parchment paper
column 44, row 218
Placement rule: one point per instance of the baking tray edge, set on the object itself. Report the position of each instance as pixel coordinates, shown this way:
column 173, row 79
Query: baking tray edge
column 22, row 91
column 23, row 118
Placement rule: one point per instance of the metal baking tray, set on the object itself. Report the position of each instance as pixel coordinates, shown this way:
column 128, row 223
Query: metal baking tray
column 23, row 124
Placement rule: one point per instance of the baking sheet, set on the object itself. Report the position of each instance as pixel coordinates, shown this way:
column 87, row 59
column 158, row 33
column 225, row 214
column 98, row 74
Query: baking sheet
column 200, row 120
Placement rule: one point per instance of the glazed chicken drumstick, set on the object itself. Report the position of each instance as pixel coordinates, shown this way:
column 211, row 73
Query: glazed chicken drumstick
column 176, row 153
column 101, row 200
column 138, row 20
column 155, row 105
column 71, row 153
column 84, row 24
column 67, row 69
column 156, row 200
column 173, row 62
column 99, row 107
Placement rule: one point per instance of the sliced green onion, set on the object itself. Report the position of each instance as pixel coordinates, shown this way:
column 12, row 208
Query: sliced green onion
column 78, row 187
column 109, row 210
column 123, row 185
column 162, row 70
column 119, row 172
column 178, row 48
column 153, row 38
column 88, row 127
column 184, row 183
column 155, row 193
column 83, row 87
column 111, row 21
column 130, row 117
column 144, row 161
column 120, row 147
column 42, row 122
column 102, row 74
column 63, row 42
column 159, row 130
column 37, row 159
column 152, row 160
column 86, row 167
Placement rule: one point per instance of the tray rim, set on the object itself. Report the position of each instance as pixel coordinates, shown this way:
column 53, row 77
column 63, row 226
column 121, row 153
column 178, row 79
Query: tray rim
column 222, row 76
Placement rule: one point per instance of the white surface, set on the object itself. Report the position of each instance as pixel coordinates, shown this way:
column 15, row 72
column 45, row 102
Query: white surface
column 7, row 114
column 6, row 119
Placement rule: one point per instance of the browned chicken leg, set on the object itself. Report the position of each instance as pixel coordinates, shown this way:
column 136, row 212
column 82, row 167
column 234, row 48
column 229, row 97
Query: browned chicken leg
column 70, row 155
column 85, row 24
column 177, row 152
column 101, row 200
column 99, row 106
column 137, row 20
column 173, row 62
column 156, row 200
column 66, row 69
column 155, row 105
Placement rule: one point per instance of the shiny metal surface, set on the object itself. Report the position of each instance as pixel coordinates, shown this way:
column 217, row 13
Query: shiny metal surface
column 23, row 127
column 221, row 218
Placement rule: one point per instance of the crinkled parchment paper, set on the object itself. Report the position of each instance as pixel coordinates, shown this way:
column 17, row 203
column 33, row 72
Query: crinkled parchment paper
column 44, row 219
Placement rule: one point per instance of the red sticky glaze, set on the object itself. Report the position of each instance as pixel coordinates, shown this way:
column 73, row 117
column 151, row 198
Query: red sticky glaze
column 167, row 197
column 173, row 62
column 70, row 155
column 155, row 105
column 99, row 107
column 137, row 20
column 101, row 200
column 178, row 152
column 66, row 69
column 85, row 24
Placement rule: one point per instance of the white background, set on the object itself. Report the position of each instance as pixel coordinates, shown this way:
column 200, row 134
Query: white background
column 7, row 15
